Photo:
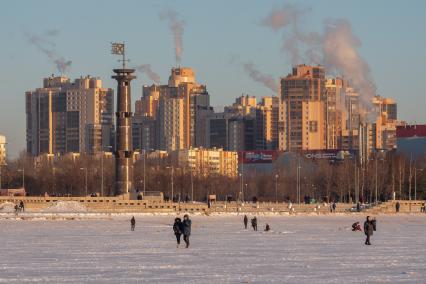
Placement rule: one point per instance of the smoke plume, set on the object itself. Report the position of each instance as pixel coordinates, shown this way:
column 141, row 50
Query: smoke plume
column 265, row 79
column 147, row 70
column 176, row 26
column 45, row 44
column 336, row 47
column 340, row 50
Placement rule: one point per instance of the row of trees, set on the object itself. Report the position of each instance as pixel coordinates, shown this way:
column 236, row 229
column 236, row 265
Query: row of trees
column 322, row 180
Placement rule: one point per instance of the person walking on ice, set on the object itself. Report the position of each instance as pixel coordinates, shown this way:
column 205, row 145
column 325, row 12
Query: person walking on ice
column 245, row 221
column 254, row 223
column 177, row 229
column 132, row 223
column 186, row 225
column 368, row 230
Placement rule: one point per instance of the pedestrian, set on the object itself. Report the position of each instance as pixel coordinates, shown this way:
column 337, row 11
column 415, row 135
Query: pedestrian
column 21, row 206
column 177, row 229
column 368, row 230
column 254, row 223
column 186, row 225
column 267, row 228
column 397, row 206
column 358, row 207
column 132, row 223
column 245, row 221
column 334, row 207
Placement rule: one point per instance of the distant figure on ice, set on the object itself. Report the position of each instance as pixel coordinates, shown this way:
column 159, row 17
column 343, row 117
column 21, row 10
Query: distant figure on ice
column 132, row 223
column 245, row 221
column 186, row 225
column 397, row 206
column 358, row 207
column 333, row 207
column 21, row 206
column 267, row 228
column 356, row 227
column 178, row 229
column 254, row 223
column 16, row 208
column 368, row 230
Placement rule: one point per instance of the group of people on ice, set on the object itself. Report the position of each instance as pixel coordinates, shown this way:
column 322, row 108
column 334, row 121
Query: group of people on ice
column 369, row 228
column 179, row 228
column 254, row 223
column 182, row 228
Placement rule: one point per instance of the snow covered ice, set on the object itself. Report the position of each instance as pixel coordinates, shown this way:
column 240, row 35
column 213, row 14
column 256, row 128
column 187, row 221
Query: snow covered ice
column 299, row 249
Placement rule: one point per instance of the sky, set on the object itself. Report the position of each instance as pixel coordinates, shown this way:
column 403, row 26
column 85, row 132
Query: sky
column 218, row 38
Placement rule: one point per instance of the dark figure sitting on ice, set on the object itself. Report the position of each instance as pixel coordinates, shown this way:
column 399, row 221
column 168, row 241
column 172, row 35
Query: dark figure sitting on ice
column 356, row 227
column 178, row 229
column 186, row 225
column 132, row 223
column 368, row 230
column 254, row 223
column 267, row 228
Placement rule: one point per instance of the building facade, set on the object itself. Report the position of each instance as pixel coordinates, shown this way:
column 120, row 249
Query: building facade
column 303, row 94
column 207, row 162
column 65, row 116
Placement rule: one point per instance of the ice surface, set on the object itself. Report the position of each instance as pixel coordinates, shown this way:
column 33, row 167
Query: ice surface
column 299, row 249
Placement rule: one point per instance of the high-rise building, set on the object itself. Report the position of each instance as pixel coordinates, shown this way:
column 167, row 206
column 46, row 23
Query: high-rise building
column 267, row 116
column 182, row 111
column 65, row 116
column 303, row 94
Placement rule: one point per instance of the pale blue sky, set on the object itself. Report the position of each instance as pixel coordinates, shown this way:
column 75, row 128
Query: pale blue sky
column 392, row 32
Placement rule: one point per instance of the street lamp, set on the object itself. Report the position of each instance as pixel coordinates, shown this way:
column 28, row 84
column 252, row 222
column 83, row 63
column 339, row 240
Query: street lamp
column 85, row 169
column 276, row 188
column 241, row 187
column 415, row 182
column 192, row 186
column 172, row 174
column 23, row 177
column 102, row 170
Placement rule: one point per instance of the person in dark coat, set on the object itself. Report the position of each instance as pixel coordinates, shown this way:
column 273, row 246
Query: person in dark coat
column 368, row 230
column 254, row 223
column 22, row 206
column 267, row 228
column 356, row 227
column 245, row 221
column 178, row 229
column 132, row 223
column 334, row 207
column 186, row 225
column 397, row 206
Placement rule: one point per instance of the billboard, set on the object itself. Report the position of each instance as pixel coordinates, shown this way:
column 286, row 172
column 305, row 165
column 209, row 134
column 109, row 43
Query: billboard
column 334, row 154
column 257, row 156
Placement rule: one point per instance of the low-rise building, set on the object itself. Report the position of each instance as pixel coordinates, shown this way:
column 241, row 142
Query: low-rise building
column 209, row 161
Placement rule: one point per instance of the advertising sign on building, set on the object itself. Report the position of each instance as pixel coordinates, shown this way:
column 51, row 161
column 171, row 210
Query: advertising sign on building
column 257, row 156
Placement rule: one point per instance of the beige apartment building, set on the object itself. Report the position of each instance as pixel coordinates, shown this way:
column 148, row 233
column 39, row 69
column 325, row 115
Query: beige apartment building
column 179, row 109
column 209, row 161
column 303, row 99
column 65, row 116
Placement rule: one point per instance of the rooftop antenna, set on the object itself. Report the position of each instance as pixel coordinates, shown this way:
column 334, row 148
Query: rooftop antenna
column 118, row 48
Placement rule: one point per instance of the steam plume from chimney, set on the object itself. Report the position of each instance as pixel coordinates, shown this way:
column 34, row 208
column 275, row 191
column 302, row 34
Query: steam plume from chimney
column 147, row 70
column 336, row 48
column 45, row 44
column 176, row 26
column 265, row 79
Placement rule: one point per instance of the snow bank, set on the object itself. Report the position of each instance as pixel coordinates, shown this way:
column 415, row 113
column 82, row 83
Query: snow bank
column 7, row 207
column 66, row 207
